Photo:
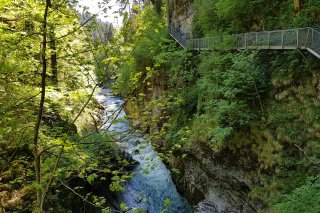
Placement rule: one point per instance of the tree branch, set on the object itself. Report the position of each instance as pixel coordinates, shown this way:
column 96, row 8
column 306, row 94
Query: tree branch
column 76, row 193
column 13, row 107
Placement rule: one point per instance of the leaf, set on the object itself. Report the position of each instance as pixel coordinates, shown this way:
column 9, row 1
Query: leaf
column 167, row 202
column 92, row 177
column 123, row 207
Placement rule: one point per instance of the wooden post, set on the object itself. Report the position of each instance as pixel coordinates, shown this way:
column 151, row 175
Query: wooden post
column 257, row 40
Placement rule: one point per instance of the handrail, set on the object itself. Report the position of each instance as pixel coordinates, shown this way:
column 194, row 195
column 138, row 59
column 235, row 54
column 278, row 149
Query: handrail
column 300, row 38
column 178, row 36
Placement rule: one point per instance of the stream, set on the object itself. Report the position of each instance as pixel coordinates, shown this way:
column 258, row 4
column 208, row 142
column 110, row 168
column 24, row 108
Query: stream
column 151, row 188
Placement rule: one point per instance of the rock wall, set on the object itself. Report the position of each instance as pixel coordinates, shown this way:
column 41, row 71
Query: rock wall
column 213, row 185
column 182, row 16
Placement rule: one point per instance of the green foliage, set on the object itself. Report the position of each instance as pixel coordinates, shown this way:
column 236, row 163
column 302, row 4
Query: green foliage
column 68, row 146
column 206, row 19
column 226, row 16
column 226, row 91
column 308, row 15
column 144, row 34
column 305, row 198
column 261, row 107
column 123, row 207
column 178, row 66
column 167, row 203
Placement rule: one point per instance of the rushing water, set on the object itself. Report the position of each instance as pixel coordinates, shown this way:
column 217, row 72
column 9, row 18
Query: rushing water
column 151, row 186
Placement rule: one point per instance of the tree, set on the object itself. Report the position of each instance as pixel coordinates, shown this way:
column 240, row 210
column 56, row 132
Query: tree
column 37, row 149
column 24, row 74
column 297, row 5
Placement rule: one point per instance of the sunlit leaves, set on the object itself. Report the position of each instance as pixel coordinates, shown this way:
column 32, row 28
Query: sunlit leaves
column 143, row 36
column 21, row 33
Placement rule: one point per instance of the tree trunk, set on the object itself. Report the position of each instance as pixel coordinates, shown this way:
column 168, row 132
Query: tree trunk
column 297, row 5
column 37, row 146
column 157, row 4
column 54, row 63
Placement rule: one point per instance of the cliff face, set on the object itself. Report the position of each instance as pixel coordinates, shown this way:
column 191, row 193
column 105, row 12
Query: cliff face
column 182, row 16
column 213, row 185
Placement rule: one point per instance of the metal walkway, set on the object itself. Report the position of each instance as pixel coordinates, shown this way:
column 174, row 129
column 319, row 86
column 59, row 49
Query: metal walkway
column 303, row 38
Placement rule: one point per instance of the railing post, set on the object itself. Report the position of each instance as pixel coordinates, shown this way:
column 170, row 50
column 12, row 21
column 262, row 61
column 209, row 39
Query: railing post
column 269, row 39
column 237, row 44
column 237, row 39
column 297, row 32
column 306, row 43
column 257, row 40
column 312, row 37
column 245, row 40
column 282, row 36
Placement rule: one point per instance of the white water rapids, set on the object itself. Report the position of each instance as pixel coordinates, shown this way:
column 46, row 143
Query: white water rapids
column 151, row 186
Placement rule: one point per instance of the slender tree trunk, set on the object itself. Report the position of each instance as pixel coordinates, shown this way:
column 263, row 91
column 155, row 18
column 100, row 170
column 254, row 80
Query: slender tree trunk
column 37, row 146
column 54, row 62
column 297, row 5
column 157, row 4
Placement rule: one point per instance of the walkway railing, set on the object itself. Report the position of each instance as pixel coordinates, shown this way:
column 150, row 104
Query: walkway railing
column 302, row 38
column 178, row 36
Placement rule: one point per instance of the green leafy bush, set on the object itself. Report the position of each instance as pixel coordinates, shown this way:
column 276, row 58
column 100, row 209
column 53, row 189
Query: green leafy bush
column 304, row 199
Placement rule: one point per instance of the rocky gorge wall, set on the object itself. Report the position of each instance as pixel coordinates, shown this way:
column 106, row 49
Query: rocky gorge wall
column 182, row 16
column 213, row 184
